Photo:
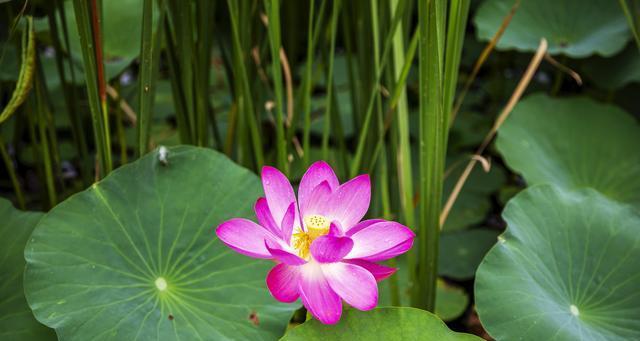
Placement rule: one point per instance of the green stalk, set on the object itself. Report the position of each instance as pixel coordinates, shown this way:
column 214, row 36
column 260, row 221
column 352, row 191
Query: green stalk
column 306, row 88
column 189, row 58
column 119, row 119
column 87, row 22
column 333, row 28
column 633, row 24
column 432, row 149
column 97, row 28
column 394, row 287
column 183, row 26
column 313, row 35
column 366, row 83
column 45, row 147
column 25, row 76
column 457, row 24
column 353, row 81
column 393, row 103
column 382, row 163
column 50, row 126
column 244, row 99
column 364, row 128
column 179, row 98
column 149, row 56
column 273, row 10
column 204, row 21
column 69, row 90
column 338, row 133
column 401, row 68
column 179, row 38
column 12, row 174
column 86, row 167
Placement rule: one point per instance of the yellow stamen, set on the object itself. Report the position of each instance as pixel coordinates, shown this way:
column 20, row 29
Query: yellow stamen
column 316, row 226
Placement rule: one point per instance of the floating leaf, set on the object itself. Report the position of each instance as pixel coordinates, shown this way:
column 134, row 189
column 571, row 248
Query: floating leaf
column 576, row 28
column 16, row 320
column 462, row 251
column 565, row 269
column 379, row 324
column 136, row 257
column 574, row 143
column 451, row 301
column 615, row 72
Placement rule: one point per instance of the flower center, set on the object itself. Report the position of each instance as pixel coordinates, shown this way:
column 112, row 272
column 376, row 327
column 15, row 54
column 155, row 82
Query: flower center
column 316, row 226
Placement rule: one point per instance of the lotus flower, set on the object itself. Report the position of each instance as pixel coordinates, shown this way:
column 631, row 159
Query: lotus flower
column 325, row 254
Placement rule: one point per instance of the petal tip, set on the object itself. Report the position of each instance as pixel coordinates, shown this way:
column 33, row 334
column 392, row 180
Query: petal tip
column 320, row 163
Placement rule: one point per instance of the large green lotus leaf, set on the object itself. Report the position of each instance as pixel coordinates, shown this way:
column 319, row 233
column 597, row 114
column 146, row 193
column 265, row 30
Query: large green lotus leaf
column 16, row 320
column 565, row 269
column 387, row 324
column 573, row 143
column 121, row 33
column 136, row 257
column 462, row 251
column 576, row 28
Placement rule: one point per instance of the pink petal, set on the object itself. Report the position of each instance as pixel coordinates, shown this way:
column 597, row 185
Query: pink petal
column 283, row 255
column 283, row 281
column 287, row 223
column 317, row 296
column 317, row 201
column 350, row 202
column 392, row 252
column 317, row 173
column 352, row 283
column 246, row 237
column 361, row 225
column 335, row 229
column 278, row 191
column 381, row 241
column 378, row 271
column 328, row 249
column 264, row 216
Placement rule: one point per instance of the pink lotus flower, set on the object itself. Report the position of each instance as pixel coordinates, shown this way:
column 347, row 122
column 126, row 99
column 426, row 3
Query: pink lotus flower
column 325, row 254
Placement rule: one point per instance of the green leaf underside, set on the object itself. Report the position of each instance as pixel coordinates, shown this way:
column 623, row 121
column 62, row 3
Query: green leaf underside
column 387, row 324
column 576, row 28
column 16, row 321
column 462, row 251
column 94, row 261
column 574, row 143
column 566, row 269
